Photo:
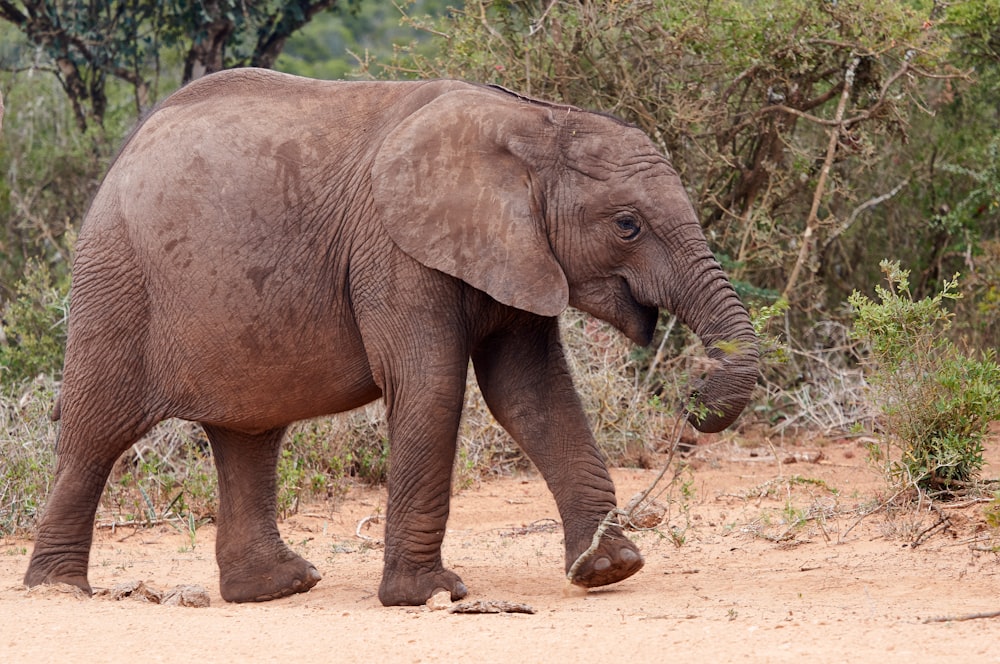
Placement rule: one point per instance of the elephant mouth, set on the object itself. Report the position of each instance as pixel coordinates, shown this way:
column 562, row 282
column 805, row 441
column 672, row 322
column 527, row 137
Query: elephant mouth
column 617, row 305
column 638, row 320
column 650, row 317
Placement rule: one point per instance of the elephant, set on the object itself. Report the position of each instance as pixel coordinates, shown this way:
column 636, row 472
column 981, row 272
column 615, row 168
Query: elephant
column 267, row 248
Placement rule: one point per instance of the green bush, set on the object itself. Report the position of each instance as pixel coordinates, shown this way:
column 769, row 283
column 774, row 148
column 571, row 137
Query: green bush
column 33, row 328
column 167, row 475
column 936, row 401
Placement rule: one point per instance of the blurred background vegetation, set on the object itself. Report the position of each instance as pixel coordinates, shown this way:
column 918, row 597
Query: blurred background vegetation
column 815, row 138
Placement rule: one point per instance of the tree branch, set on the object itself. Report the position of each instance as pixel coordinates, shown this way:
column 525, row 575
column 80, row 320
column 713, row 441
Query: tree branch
column 279, row 27
column 812, row 221
column 11, row 14
column 967, row 616
column 867, row 205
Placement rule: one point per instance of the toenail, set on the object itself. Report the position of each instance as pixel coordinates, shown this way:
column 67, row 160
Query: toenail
column 629, row 556
column 601, row 564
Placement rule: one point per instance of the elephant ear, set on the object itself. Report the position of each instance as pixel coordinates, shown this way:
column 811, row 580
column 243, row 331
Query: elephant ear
column 452, row 194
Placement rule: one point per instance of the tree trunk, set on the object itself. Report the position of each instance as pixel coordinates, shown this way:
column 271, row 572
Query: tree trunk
column 207, row 53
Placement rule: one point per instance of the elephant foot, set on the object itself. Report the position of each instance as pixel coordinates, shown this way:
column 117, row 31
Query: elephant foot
column 50, row 570
column 292, row 574
column 615, row 559
column 415, row 588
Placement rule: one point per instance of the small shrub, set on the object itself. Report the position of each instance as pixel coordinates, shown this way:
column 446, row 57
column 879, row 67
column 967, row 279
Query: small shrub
column 937, row 402
column 33, row 328
column 331, row 449
column 167, row 475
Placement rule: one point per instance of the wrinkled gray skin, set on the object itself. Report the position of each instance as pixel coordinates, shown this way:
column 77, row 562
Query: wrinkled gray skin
column 269, row 248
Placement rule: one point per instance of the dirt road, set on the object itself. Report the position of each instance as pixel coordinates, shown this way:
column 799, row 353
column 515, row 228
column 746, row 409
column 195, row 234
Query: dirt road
column 760, row 561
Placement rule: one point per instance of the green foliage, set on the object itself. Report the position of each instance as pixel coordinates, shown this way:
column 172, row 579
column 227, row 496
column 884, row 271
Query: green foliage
column 969, row 225
column 944, row 220
column 977, row 23
column 982, row 201
column 93, row 44
column 331, row 450
column 772, row 348
column 992, row 512
column 33, row 329
column 937, row 401
column 320, row 458
column 167, row 476
column 48, row 174
column 336, row 45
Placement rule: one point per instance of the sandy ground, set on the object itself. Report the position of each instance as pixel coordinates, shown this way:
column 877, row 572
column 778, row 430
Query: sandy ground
column 758, row 561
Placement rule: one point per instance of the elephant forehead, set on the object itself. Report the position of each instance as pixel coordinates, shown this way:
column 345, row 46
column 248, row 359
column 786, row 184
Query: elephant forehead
column 603, row 158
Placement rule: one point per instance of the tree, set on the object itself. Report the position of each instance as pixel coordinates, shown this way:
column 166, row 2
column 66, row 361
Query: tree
column 108, row 58
column 90, row 42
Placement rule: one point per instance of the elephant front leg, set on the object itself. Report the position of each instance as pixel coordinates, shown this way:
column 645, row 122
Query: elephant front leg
column 255, row 565
column 423, row 417
column 526, row 383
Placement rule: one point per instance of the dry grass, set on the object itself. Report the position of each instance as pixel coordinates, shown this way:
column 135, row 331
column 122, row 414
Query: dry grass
column 820, row 390
column 27, row 455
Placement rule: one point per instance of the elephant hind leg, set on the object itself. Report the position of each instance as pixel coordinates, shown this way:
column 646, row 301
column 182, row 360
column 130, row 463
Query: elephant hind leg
column 255, row 565
column 106, row 403
column 87, row 450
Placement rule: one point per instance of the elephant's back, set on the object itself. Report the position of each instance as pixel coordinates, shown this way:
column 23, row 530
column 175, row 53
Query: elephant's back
column 243, row 157
column 278, row 91
column 253, row 149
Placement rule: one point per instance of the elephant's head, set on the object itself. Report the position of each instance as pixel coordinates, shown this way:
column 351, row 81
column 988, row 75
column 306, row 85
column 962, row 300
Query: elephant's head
column 541, row 206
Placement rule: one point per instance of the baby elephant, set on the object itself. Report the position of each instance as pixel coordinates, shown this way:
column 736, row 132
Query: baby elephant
column 268, row 248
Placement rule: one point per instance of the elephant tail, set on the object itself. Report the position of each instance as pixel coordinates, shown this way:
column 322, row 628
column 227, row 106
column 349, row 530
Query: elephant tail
column 56, row 409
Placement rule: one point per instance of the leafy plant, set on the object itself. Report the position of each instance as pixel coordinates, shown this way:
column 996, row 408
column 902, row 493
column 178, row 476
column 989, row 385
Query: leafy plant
column 33, row 328
column 936, row 400
column 166, row 476
column 290, row 474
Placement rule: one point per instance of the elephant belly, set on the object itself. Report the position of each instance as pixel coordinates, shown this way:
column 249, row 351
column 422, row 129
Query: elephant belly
column 257, row 377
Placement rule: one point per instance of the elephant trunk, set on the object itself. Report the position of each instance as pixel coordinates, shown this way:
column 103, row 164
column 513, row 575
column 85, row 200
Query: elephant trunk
column 710, row 307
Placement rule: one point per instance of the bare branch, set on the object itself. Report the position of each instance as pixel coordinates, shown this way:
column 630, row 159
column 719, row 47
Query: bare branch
column 11, row 14
column 867, row 205
column 966, row 616
column 812, row 221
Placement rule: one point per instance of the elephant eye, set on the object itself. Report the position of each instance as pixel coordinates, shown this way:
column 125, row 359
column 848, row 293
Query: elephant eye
column 628, row 227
